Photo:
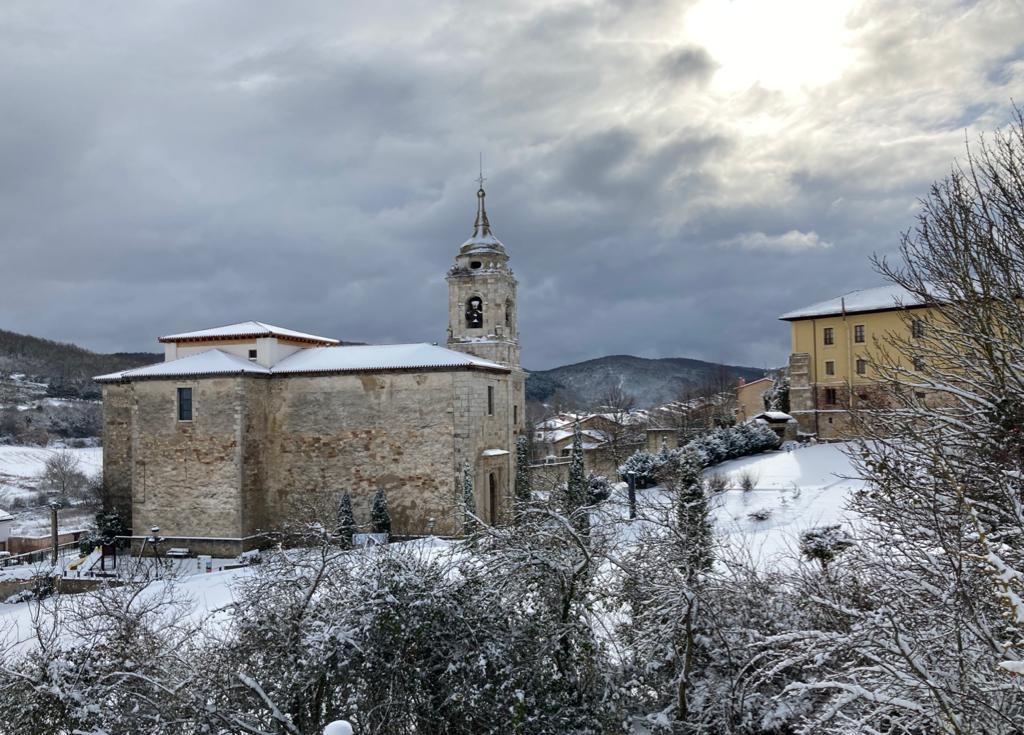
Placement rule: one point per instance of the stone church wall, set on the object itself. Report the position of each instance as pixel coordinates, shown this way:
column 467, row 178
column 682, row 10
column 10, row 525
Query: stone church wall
column 117, row 448
column 187, row 474
column 357, row 433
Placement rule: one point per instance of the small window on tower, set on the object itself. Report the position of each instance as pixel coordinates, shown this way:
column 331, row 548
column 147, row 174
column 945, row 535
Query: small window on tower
column 475, row 313
column 508, row 313
column 490, row 400
column 475, row 264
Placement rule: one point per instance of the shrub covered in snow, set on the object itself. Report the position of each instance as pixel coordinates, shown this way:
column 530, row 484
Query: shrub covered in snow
column 717, row 446
column 823, row 543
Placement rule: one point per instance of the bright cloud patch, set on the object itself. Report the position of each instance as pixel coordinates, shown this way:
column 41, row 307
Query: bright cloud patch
column 793, row 241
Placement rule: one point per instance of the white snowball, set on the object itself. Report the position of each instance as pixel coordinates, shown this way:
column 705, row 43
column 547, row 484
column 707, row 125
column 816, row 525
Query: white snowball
column 338, row 727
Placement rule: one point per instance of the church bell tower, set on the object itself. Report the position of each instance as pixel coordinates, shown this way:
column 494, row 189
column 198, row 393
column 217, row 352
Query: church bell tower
column 482, row 296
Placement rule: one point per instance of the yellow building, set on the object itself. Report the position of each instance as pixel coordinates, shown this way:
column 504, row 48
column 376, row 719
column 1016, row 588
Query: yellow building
column 831, row 367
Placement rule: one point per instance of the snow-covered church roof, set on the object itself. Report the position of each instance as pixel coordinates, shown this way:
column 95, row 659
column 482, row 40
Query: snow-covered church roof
column 344, row 359
column 247, row 330
column 869, row 299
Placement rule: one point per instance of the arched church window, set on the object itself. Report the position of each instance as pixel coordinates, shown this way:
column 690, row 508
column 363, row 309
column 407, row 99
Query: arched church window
column 508, row 313
column 475, row 312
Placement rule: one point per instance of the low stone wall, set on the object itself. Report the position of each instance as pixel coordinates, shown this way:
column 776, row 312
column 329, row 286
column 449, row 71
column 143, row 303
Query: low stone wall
column 223, row 548
column 25, row 544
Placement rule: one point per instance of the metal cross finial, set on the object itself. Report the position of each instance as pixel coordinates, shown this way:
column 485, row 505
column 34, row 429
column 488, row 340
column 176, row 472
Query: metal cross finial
column 480, row 179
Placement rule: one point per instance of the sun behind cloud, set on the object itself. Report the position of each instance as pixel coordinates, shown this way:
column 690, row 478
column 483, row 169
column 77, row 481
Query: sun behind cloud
column 784, row 45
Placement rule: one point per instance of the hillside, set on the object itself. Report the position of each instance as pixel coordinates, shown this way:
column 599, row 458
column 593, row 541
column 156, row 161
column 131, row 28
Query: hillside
column 650, row 382
column 67, row 369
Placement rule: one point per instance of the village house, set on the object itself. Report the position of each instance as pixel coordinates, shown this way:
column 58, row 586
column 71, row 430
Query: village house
column 243, row 425
column 750, row 397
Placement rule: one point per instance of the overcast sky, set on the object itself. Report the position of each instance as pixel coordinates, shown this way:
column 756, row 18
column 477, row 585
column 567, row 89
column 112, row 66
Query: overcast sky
column 668, row 177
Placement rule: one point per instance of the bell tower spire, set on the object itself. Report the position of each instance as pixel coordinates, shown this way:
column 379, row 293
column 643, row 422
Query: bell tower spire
column 482, row 308
column 481, row 227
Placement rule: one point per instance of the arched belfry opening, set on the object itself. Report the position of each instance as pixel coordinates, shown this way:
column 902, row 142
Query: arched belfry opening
column 474, row 312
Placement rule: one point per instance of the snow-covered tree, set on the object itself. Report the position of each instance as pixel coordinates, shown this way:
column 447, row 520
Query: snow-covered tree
column 524, row 488
column 380, row 516
column 577, row 487
column 346, row 521
column 910, row 634
column 470, row 524
column 824, row 543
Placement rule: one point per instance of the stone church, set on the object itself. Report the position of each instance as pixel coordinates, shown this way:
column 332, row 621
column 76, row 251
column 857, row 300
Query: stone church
column 241, row 424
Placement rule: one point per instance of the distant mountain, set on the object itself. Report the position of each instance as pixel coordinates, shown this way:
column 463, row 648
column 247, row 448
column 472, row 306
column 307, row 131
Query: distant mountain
column 650, row 382
column 66, row 369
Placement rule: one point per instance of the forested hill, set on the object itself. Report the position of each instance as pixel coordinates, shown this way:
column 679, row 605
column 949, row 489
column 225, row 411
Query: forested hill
column 651, row 382
column 66, row 368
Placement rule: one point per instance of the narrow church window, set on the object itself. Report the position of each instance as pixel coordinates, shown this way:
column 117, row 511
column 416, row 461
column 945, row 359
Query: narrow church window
column 184, row 404
column 508, row 313
column 475, row 313
column 490, row 400
column 515, row 415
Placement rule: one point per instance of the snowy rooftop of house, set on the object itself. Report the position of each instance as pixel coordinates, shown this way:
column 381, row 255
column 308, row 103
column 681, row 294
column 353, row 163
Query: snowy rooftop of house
column 247, row 330
column 774, row 416
column 5, row 516
column 345, row 359
column 868, row 299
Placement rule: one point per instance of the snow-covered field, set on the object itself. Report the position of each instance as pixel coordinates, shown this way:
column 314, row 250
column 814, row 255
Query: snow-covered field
column 21, row 465
column 796, row 490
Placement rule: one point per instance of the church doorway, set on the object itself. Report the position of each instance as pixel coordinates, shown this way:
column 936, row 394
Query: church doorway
column 492, row 487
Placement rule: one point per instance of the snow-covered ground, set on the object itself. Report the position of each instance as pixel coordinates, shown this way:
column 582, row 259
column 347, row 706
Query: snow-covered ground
column 25, row 463
column 21, row 465
column 800, row 489
column 796, row 490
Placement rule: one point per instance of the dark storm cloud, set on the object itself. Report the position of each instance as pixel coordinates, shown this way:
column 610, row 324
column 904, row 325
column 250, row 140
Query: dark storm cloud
column 180, row 164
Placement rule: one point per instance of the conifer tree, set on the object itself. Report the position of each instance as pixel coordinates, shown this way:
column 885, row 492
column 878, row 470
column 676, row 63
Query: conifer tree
column 577, row 487
column 380, row 517
column 692, row 518
column 346, row 521
column 524, row 483
column 469, row 521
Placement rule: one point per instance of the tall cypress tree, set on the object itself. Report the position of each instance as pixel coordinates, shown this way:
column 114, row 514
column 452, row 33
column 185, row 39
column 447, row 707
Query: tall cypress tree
column 692, row 517
column 346, row 521
column 576, row 488
column 380, row 517
column 524, row 486
column 469, row 521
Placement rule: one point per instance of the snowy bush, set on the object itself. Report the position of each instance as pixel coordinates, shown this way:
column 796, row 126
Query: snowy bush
column 824, row 543
column 599, row 489
column 642, row 466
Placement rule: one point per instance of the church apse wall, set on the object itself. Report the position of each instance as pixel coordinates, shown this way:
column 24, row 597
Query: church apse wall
column 358, row 433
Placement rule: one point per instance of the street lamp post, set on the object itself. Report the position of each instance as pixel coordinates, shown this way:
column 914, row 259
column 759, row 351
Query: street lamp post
column 54, row 536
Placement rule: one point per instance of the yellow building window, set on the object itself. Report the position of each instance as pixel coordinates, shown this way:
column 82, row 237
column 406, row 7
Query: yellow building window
column 862, row 366
column 858, row 333
column 829, row 336
column 830, row 367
